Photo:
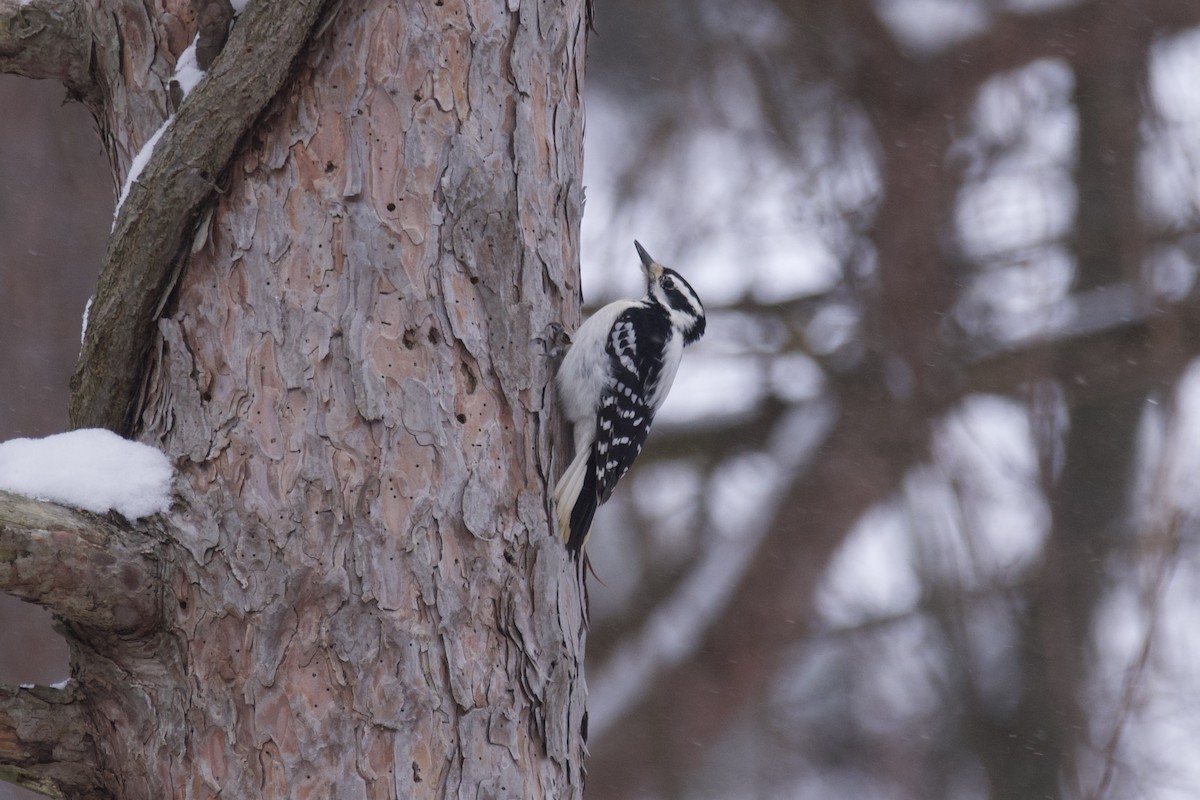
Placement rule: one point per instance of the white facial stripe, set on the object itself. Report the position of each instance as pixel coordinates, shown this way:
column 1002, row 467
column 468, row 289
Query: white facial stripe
column 681, row 301
column 692, row 298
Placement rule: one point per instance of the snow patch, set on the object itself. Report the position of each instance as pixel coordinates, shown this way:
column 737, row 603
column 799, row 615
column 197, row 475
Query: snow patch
column 187, row 69
column 139, row 163
column 92, row 469
column 187, row 75
column 87, row 311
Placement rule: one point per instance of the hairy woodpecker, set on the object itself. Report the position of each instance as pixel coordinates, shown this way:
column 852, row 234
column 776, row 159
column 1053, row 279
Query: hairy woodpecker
column 612, row 381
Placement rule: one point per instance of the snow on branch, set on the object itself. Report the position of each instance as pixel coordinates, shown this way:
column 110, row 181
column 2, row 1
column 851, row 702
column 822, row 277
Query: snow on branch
column 161, row 207
column 87, row 569
column 92, row 469
column 47, row 39
column 46, row 743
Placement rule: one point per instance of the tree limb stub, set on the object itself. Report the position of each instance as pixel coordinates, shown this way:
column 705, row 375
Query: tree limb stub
column 47, row 39
column 46, row 743
column 78, row 566
column 139, row 267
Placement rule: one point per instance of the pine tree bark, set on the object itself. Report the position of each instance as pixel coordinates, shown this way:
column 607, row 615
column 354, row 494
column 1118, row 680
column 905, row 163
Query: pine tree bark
column 346, row 350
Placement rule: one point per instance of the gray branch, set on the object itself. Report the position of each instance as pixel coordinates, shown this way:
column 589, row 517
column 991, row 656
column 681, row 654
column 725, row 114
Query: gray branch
column 47, row 39
column 46, row 743
column 148, row 242
column 84, row 568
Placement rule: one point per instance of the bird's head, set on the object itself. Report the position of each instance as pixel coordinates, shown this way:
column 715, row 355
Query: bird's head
column 667, row 288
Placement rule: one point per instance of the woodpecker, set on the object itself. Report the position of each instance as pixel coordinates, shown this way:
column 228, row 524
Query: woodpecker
column 611, row 383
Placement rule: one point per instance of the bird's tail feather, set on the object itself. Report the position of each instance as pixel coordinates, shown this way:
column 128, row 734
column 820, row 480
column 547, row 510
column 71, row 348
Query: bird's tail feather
column 567, row 497
column 583, row 512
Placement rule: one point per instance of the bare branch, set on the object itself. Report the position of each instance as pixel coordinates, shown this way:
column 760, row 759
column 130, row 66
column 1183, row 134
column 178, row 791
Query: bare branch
column 141, row 264
column 1143, row 348
column 79, row 566
column 46, row 743
column 47, row 39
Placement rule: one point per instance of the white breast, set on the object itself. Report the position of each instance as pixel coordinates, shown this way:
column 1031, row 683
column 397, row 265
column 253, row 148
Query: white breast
column 671, row 359
column 582, row 375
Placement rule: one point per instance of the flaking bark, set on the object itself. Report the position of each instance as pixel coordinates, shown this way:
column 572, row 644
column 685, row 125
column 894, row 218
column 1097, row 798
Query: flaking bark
column 363, row 595
column 154, row 224
column 356, row 381
column 47, row 744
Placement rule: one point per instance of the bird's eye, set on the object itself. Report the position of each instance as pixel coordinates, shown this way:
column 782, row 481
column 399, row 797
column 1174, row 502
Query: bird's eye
column 668, row 282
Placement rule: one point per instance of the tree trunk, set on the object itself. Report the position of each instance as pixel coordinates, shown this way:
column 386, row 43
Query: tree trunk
column 348, row 355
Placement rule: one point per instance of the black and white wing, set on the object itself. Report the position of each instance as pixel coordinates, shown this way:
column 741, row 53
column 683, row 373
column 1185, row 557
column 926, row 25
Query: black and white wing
column 635, row 348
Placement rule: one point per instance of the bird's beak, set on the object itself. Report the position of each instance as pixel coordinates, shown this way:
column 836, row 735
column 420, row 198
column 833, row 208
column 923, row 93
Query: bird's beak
column 649, row 265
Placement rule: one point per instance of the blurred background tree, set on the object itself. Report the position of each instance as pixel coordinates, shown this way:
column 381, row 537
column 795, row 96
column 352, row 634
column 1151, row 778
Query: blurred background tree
column 918, row 520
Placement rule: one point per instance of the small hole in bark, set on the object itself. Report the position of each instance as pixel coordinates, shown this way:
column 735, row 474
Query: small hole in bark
column 472, row 381
column 434, row 336
column 329, row 167
column 183, row 604
column 461, row 417
column 206, row 397
column 391, row 206
column 474, row 279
